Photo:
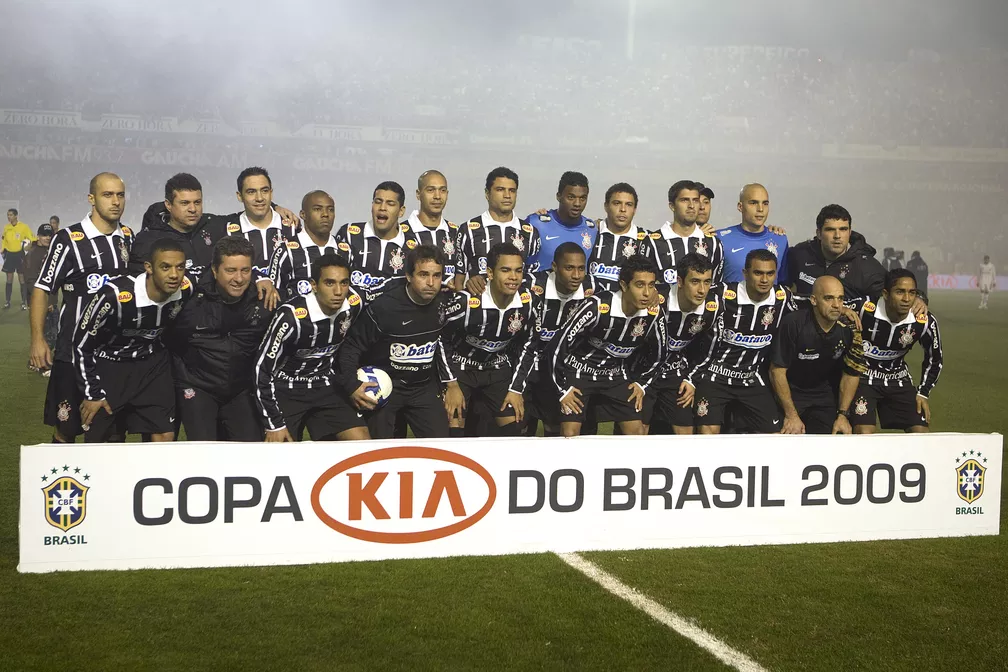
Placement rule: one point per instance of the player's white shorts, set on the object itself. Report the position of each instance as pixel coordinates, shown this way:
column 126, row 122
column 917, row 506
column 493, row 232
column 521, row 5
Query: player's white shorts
column 986, row 288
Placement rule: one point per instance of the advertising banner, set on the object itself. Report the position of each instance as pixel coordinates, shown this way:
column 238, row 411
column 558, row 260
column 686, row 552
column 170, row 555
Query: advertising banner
column 127, row 506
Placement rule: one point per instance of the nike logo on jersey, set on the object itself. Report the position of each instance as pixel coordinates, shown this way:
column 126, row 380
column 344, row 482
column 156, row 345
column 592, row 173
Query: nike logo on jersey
column 201, row 328
column 737, row 249
column 776, row 422
column 807, row 264
column 552, row 237
column 405, row 322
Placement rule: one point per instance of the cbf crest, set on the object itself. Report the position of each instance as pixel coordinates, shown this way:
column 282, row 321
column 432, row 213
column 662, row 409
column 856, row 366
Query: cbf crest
column 65, row 498
column 970, row 479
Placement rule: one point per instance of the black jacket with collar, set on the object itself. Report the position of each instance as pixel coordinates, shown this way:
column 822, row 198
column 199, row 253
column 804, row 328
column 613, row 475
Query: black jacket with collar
column 860, row 273
column 214, row 345
column 197, row 243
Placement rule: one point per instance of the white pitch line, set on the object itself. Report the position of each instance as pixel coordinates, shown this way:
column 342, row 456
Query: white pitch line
column 695, row 634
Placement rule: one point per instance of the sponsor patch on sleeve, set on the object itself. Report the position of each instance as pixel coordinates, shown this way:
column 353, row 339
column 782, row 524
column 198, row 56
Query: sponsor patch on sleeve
column 474, row 302
column 730, row 294
column 343, row 247
column 233, row 227
column 525, row 297
column 353, row 229
column 475, row 224
column 300, row 313
column 656, row 235
column 293, row 245
column 603, row 308
column 711, row 305
column 76, row 236
column 538, row 290
column 869, row 306
column 781, row 294
column 922, row 318
column 527, row 228
column 353, row 300
column 125, row 297
column 126, row 230
column 410, row 244
column 653, row 310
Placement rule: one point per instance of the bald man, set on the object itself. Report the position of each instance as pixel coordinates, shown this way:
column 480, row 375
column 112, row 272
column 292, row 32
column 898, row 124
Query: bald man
column 428, row 223
column 812, row 351
column 81, row 259
column 752, row 234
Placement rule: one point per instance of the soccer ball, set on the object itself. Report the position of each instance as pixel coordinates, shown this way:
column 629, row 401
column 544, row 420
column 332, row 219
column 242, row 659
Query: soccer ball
column 372, row 374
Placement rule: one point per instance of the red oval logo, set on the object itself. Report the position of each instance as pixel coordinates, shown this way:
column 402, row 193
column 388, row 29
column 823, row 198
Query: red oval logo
column 365, row 495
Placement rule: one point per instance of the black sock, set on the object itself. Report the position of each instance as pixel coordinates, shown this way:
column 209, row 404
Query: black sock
column 456, row 432
column 10, row 288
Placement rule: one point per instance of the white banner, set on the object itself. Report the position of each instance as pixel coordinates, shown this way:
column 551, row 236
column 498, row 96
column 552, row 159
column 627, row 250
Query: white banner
column 128, row 506
column 936, row 281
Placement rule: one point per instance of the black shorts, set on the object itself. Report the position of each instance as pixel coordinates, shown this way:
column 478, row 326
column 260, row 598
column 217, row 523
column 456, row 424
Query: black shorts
column 206, row 417
column 488, row 388
column 13, row 262
column 423, row 407
column 542, row 401
column 817, row 410
column 142, row 396
column 896, row 407
column 661, row 405
column 609, row 400
column 323, row 411
column 754, row 407
column 63, row 400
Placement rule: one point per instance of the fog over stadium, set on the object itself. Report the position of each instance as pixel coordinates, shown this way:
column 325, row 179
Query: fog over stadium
column 894, row 110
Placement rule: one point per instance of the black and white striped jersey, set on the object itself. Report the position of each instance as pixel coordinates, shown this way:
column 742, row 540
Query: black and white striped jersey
column 611, row 250
column 373, row 259
column 80, row 260
column 299, row 350
column 682, row 329
column 666, row 247
column 556, row 307
column 479, row 234
column 264, row 241
column 598, row 341
column 443, row 238
column 744, row 329
column 886, row 342
column 122, row 323
column 290, row 266
column 480, row 336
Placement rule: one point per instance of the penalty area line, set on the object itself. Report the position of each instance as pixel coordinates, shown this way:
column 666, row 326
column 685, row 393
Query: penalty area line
column 670, row 619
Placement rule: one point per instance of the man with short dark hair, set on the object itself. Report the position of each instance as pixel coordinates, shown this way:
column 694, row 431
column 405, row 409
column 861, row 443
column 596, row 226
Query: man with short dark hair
column 214, row 342
column 618, row 237
column 733, row 375
column 489, row 345
column 123, row 368
column 498, row 224
column 54, row 222
column 17, row 236
column 565, row 223
column 704, row 211
column 811, row 351
column 839, row 251
column 377, row 248
column 290, row 267
column 590, row 359
column 399, row 332
column 82, row 258
column 34, row 259
column 296, row 379
column 682, row 236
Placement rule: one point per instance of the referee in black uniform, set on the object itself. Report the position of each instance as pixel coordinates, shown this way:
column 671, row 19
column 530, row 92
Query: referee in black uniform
column 812, row 350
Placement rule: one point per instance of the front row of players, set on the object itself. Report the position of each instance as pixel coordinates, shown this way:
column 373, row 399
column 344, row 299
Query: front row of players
column 156, row 349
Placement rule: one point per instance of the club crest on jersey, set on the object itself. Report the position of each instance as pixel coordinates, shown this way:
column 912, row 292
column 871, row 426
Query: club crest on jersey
column 125, row 297
column 449, row 247
column 303, row 287
column 518, row 241
column 701, row 247
column 300, row 313
column 906, row 336
column 396, row 260
column 277, row 237
column 702, row 407
column 189, row 393
column 76, row 236
column 515, row 323
column 730, row 294
column 629, row 249
column 233, row 227
column 768, row 317
column 344, row 325
column 638, row 327
column 442, row 313
column 175, row 310
column 206, row 238
column 861, row 406
column 843, row 271
column 970, row 480
column 63, row 411
column 772, row 246
column 781, row 295
column 123, row 253
column 65, row 502
column 696, row 327
column 586, row 241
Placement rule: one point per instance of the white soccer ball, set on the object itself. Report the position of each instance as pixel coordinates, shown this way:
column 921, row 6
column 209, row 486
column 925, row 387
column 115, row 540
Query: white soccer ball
column 372, row 374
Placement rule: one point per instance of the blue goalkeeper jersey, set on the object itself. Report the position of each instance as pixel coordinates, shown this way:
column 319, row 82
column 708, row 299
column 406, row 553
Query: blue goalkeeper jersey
column 737, row 243
column 553, row 233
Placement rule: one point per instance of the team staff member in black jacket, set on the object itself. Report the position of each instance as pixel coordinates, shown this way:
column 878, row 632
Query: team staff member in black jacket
column 839, row 251
column 400, row 332
column 214, row 342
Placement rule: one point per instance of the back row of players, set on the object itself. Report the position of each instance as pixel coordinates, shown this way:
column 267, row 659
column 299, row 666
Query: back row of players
column 510, row 321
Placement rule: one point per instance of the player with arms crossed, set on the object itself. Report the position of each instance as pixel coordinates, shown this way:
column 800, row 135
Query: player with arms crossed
column 889, row 330
column 811, row 351
column 682, row 236
column 377, row 248
column 987, row 281
column 591, row 356
column 399, row 332
column 690, row 308
column 497, row 225
column 290, row 266
column 296, row 385
column 489, row 345
column 618, row 237
column 82, row 257
column 123, row 368
column 734, row 372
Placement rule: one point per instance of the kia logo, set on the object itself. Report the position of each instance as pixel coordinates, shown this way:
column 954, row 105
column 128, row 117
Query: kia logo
column 410, row 493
